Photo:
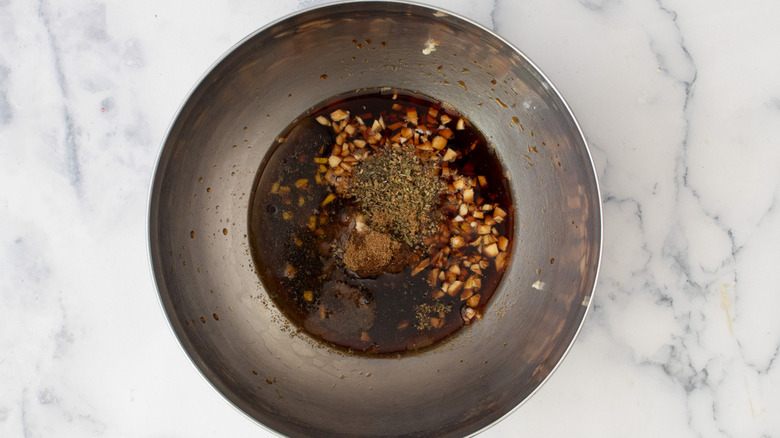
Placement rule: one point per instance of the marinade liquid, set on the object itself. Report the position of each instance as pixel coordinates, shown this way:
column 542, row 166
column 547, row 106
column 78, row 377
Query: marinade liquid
column 381, row 222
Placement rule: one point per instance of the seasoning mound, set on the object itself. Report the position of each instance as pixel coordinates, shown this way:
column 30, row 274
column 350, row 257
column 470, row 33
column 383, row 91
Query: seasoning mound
column 399, row 194
column 373, row 253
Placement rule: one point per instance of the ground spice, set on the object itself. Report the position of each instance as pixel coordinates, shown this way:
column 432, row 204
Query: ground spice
column 373, row 253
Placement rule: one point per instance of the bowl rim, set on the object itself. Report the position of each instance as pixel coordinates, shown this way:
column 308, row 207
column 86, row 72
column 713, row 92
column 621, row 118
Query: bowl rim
column 156, row 173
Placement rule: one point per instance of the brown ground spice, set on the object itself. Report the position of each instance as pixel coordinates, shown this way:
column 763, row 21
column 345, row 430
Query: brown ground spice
column 373, row 253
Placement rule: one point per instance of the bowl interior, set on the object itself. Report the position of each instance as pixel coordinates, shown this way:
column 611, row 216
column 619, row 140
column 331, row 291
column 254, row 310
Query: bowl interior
column 203, row 267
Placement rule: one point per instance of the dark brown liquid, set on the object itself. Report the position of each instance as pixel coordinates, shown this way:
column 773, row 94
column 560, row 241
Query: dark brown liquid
column 307, row 278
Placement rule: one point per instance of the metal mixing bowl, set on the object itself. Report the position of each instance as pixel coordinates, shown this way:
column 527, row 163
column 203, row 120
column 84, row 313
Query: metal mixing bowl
column 203, row 268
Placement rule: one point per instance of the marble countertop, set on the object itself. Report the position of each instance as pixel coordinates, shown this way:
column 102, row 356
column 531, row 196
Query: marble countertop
column 679, row 100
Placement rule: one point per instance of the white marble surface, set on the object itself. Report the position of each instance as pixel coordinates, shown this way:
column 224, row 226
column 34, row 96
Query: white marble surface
column 680, row 101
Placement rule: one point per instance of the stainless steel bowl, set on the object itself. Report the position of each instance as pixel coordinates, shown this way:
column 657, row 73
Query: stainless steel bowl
column 199, row 200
